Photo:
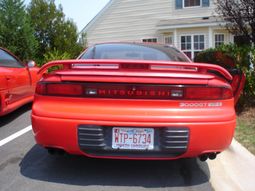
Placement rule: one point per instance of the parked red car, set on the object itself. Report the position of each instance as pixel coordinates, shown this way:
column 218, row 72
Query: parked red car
column 17, row 82
column 135, row 101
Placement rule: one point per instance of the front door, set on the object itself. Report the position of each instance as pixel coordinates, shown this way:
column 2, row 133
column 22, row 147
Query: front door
column 17, row 76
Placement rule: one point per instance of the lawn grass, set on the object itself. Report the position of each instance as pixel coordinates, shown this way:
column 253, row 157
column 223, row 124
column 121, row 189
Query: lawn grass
column 245, row 129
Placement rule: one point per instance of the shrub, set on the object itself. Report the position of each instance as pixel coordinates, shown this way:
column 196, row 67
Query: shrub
column 55, row 55
column 214, row 56
column 242, row 57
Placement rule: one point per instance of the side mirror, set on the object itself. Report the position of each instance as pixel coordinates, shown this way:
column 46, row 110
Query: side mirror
column 31, row 64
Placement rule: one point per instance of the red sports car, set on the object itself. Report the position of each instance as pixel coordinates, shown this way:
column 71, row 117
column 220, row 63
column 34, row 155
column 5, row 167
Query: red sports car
column 17, row 82
column 135, row 101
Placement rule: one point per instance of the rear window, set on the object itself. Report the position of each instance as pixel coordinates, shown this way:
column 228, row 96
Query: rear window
column 134, row 52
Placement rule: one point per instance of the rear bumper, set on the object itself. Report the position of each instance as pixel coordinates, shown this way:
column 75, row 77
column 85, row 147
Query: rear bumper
column 203, row 137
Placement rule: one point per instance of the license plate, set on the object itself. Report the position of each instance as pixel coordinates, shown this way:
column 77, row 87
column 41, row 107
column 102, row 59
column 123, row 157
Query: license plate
column 133, row 138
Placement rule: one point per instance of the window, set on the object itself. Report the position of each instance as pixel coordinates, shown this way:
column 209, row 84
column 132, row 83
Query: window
column 192, row 44
column 180, row 4
column 186, row 42
column 168, row 40
column 192, row 3
column 7, row 60
column 130, row 51
column 150, row 40
column 186, row 45
column 219, row 40
column 199, row 44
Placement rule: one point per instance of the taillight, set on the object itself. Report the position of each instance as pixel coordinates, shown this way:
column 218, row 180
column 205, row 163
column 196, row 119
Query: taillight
column 134, row 91
column 58, row 89
column 208, row 93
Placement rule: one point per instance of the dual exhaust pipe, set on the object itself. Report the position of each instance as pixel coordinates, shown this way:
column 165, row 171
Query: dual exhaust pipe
column 206, row 156
column 203, row 157
column 55, row 151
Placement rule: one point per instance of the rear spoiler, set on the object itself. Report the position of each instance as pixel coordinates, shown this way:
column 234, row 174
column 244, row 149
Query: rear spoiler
column 137, row 65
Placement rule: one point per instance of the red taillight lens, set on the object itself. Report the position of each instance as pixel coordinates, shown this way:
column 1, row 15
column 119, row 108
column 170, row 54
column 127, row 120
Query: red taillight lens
column 40, row 89
column 59, row 89
column 208, row 93
column 134, row 91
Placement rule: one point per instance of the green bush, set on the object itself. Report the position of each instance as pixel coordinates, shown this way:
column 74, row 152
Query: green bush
column 55, row 55
column 242, row 57
column 214, row 56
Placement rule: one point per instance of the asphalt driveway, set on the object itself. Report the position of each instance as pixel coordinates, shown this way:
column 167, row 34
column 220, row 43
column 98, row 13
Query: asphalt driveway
column 25, row 166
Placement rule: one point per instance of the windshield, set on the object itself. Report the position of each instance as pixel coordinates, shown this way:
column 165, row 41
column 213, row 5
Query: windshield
column 134, row 52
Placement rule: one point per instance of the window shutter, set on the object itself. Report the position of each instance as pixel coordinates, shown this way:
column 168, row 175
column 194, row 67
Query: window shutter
column 178, row 4
column 205, row 3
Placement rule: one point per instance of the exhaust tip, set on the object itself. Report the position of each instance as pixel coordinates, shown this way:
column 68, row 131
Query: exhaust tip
column 60, row 152
column 55, row 151
column 51, row 151
column 212, row 156
column 203, row 157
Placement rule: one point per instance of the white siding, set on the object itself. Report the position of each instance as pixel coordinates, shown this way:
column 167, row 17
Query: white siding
column 133, row 20
column 128, row 20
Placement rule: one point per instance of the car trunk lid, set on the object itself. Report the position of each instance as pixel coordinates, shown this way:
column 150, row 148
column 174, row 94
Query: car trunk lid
column 125, row 79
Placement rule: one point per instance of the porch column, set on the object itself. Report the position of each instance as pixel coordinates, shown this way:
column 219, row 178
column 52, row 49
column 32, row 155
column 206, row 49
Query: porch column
column 231, row 38
column 175, row 38
column 210, row 37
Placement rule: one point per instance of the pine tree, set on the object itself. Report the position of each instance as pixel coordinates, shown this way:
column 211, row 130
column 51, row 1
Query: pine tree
column 52, row 30
column 16, row 32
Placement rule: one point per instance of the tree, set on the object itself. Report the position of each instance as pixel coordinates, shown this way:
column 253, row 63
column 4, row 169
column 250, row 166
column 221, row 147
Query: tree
column 52, row 30
column 239, row 16
column 65, row 39
column 83, row 41
column 16, row 33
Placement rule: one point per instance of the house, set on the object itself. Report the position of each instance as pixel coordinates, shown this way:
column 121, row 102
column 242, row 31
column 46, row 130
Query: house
column 190, row 25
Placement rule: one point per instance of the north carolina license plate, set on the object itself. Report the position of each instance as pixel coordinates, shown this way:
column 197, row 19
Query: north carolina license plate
column 133, row 138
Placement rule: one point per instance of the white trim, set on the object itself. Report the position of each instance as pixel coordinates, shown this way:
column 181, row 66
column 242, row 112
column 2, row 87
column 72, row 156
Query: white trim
column 210, row 37
column 231, row 38
column 190, row 25
column 175, row 38
column 190, row 7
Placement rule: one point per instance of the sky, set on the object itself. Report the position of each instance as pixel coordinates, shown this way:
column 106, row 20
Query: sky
column 80, row 11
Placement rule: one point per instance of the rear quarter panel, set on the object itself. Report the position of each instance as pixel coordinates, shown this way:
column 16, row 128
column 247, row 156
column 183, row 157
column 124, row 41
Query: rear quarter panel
column 34, row 77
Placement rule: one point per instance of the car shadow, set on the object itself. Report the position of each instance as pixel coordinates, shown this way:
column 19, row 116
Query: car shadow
column 6, row 119
column 78, row 170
